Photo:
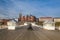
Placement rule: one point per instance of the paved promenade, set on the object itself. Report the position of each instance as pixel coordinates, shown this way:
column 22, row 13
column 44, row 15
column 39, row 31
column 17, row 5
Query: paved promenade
column 23, row 33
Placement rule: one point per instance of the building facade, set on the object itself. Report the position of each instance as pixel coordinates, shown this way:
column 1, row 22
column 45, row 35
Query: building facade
column 45, row 19
column 27, row 18
column 57, row 23
column 57, row 19
column 3, row 21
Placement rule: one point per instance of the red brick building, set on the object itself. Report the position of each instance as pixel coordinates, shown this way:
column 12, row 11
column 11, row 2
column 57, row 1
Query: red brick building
column 22, row 18
column 33, row 18
column 27, row 18
column 3, row 21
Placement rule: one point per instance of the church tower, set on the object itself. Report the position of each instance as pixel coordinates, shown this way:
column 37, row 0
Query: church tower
column 20, row 15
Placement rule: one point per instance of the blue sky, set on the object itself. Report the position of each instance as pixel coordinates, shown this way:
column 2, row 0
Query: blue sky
column 38, row 8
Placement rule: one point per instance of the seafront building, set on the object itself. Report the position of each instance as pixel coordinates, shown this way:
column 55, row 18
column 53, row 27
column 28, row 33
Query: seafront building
column 27, row 18
column 49, row 23
column 57, row 22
